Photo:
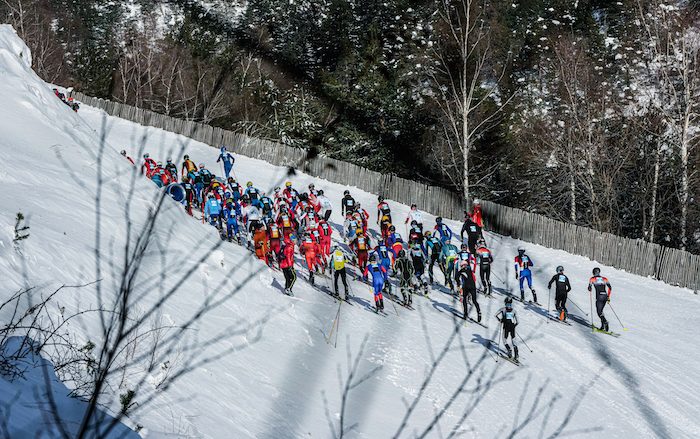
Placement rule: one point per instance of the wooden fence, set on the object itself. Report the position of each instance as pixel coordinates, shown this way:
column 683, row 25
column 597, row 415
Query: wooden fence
column 673, row 266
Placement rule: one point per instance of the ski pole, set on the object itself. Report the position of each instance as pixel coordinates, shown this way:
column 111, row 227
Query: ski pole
column 521, row 339
column 549, row 303
column 335, row 320
column 337, row 326
column 498, row 348
column 618, row 319
column 392, row 301
column 590, row 295
column 574, row 303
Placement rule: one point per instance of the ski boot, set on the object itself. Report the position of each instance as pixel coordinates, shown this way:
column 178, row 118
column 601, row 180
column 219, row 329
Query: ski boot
column 510, row 353
column 534, row 296
column 478, row 316
column 410, row 299
column 515, row 348
column 381, row 304
column 311, row 277
column 405, row 298
column 522, row 295
column 489, row 290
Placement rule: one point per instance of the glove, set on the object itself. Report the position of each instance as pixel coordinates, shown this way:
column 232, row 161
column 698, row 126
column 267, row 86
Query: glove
column 516, row 276
column 608, row 300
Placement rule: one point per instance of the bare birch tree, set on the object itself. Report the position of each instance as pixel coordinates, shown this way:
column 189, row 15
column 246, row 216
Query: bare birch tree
column 674, row 65
column 466, row 84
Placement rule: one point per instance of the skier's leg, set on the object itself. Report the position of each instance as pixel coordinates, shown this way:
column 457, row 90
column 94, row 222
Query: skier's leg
column 336, row 275
column 600, row 304
column 476, row 304
column 529, row 285
column 344, row 278
column 294, row 278
column 465, row 300
column 487, row 272
column 288, row 278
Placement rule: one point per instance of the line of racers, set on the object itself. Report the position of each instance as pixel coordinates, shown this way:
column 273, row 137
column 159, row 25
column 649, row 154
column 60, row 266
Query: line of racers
column 274, row 226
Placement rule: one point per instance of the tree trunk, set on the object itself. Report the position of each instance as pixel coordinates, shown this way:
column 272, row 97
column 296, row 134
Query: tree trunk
column 684, row 179
column 654, row 192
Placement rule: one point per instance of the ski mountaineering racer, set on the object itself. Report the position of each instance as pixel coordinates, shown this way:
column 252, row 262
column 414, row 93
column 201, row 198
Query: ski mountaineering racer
column 600, row 286
column 562, row 288
column 523, row 273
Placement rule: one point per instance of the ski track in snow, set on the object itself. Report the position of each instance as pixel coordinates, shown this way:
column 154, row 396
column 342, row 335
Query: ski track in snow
column 285, row 380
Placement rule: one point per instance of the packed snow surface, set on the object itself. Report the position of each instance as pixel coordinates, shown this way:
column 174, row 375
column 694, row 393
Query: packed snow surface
column 411, row 373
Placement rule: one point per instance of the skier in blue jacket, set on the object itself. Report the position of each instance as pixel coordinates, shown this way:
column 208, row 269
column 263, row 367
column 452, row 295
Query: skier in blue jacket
column 523, row 262
column 231, row 220
column 212, row 211
column 227, row 159
column 443, row 229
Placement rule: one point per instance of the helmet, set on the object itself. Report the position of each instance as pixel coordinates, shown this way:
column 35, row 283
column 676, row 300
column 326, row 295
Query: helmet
column 288, row 184
column 596, row 271
column 186, row 157
column 320, row 191
column 160, row 164
column 146, row 156
column 346, row 192
column 185, row 179
column 210, row 195
column 481, row 241
column 428, row 233
column 521, row 249
column 311, row 186
column 464, row 246
column 373, row 257
column 380, row 198
column 245, row 198
column 413, row 206
column 508, row 302
column 169, row 161
column 201, row 165
column 438, row 220
column 392, row 228
column 414, row 223
column 123, row 152
column 402, row 253
column 560, row 269
column 448, row 241
column 476, row 202
column 277, row 189
column 249, row 184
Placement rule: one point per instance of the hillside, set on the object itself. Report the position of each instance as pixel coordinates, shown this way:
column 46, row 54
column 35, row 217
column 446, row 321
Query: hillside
column 258, row 363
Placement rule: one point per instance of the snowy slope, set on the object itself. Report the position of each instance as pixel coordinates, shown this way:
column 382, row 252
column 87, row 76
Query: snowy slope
column 427, row 375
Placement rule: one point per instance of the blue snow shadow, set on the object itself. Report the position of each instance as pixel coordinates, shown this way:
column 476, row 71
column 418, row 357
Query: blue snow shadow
column 38, row 405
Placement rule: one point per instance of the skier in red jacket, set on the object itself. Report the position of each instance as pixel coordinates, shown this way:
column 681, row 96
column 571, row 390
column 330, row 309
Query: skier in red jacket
column 287, row 266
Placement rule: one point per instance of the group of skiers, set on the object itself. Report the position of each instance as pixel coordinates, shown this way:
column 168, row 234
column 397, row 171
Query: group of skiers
column 67, row 100
column 288, row 221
